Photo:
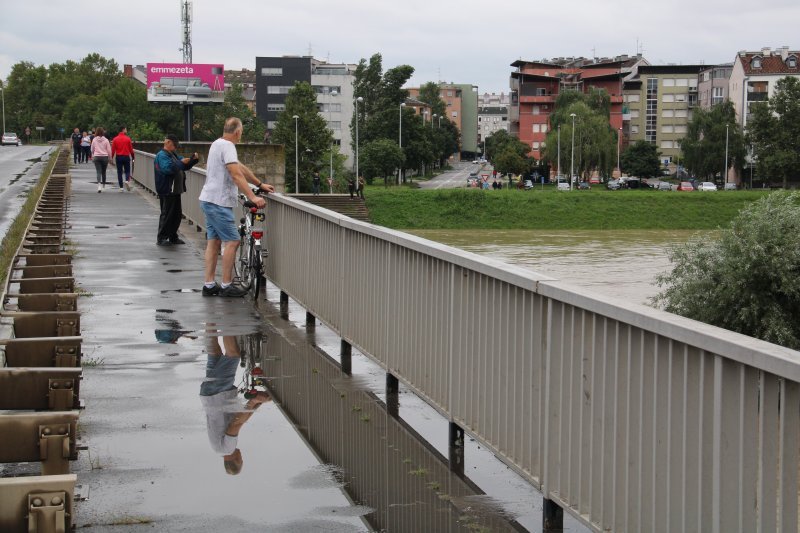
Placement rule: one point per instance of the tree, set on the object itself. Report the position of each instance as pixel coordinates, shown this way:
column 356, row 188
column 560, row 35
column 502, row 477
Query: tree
column 507, row 153
column 641, row 159
column 774, row 132
column 379, row 158
column 208, row 120
column 704, row 144
column 430, row 93
column 313, row 136
column 745, row 281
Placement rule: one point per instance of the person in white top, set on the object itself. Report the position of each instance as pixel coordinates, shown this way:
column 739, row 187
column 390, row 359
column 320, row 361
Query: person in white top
column 224, row 175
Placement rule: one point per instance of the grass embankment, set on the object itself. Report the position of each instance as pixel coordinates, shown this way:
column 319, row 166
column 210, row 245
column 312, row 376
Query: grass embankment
column 16, row 232
column 403, row 208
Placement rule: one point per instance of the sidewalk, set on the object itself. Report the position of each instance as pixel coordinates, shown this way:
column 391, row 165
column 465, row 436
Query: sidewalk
column 150, row 466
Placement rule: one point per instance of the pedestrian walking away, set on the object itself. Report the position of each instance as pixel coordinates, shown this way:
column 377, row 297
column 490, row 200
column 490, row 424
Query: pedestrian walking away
column 101, row 151
column 315, row 183
column 224, row 175
column 122, row 151
column 351, row 186
column 361, row 184
column 170, row 177
column 76, row 138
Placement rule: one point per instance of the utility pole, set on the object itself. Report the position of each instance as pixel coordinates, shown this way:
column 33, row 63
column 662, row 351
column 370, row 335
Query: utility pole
column 186, row 48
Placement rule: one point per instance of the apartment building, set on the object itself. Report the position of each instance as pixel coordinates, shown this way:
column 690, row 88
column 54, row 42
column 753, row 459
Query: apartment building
column 462, row 109
column 659, row 105
column 492, row 114
column 755, row 74
column 332, row 82
column 712, row 85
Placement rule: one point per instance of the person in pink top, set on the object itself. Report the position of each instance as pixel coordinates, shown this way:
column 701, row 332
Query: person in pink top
column 122, row 151
column 101, row 151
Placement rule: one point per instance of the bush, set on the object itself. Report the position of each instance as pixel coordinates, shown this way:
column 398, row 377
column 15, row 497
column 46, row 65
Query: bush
column 746, row 281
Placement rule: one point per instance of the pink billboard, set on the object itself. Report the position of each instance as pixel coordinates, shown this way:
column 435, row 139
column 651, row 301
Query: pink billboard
column 185, row 82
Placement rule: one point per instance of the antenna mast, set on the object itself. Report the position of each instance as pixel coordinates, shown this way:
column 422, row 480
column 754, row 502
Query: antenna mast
column 186, row 30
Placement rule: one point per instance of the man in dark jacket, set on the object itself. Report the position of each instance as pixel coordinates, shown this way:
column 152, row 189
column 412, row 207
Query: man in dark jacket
column 170, row 184
column 77, row 153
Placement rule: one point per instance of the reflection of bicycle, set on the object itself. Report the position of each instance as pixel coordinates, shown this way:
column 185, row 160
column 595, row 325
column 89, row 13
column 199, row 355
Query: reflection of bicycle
column 253, row 380
column 249, row 265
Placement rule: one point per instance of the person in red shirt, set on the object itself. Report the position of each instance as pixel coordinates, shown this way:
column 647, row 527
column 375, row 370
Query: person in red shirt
column 122, row 151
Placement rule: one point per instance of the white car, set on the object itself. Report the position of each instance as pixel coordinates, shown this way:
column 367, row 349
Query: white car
column 706, row 186
column 11, row 138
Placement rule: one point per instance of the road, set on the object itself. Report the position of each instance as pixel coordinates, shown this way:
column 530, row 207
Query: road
column 457, row 177
column 20, row 167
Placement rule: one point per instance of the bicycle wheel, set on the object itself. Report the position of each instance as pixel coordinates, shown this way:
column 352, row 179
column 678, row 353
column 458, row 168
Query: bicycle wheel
column 256, row 269
column 241, row 266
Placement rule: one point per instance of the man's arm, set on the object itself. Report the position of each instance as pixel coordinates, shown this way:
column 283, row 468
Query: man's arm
column 251, row 177
column 240, row 179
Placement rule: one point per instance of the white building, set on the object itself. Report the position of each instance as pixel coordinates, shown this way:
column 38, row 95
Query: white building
column 755, row 74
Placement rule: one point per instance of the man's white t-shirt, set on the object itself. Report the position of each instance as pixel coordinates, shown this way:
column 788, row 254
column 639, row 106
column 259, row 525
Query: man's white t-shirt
column 219, row 188
column 220, row 411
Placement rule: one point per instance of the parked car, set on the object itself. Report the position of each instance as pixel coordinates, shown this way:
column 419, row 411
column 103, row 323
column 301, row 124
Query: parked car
column 664, row 186
column 594, row 180
column 686, row 186
column 707, row 186
column 11, row 138
column 584, row 186
column 730, row 187
column 632, row 183
column 563, row 186
column 613, row 185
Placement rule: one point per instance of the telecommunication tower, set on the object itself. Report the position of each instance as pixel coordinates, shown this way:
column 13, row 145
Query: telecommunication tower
column 186, row 30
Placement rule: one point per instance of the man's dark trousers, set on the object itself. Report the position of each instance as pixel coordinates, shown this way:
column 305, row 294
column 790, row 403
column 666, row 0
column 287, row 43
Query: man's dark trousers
column 170, row 219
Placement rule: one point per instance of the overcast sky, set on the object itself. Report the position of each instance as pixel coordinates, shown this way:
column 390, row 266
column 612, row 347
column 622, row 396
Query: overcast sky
column 462, row 41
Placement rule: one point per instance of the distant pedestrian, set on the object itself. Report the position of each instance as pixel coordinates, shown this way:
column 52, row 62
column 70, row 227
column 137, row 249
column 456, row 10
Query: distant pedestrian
column 315, row 183
column 122, row 151
column 224, row 175
column 86, row 146
column 170, row 180
column 351, row 186
column 361, row 184
column 101, row 151
column 76, row 138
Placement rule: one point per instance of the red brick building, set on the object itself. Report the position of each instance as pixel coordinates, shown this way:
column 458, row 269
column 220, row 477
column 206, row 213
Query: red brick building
column 535, row 85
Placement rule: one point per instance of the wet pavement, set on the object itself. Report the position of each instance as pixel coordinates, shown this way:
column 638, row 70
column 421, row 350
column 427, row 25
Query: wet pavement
column 318, row 450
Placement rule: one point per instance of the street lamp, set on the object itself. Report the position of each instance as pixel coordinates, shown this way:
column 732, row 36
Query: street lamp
column 296, row 158
column 434, row 116
column 619, row 142
column 330, row 176
column 358, row 100
column 726, row 153
column 559, row 152
column 3, row 94
column 572, row 156
column 400, row 141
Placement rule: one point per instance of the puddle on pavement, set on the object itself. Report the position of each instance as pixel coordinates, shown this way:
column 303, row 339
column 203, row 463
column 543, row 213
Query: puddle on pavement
column 174, row 271
column 102, row 227
column 167, row 291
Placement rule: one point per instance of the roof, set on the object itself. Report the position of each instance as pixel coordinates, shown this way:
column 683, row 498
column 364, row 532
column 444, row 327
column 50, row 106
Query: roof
column 671, row 69
column 771, row 63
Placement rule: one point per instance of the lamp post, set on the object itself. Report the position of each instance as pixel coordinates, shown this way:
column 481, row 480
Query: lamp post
column 434, row 116
column 296, row 158
column 3, row 94
column 619, row 142
column 726, row 153
column 400, row 141
column 559, row 153
column 572, row 156
column 330, row 175
column 358, row 100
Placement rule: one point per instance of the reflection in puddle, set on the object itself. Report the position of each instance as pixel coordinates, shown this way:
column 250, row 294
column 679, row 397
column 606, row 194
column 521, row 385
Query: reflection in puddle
column 172, row 330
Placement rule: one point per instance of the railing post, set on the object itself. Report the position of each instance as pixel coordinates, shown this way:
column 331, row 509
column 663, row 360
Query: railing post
column 456, row 448
column 345, row 357
column 552, row 517
column 311, row 321
column 392, row 395
column 284, row 305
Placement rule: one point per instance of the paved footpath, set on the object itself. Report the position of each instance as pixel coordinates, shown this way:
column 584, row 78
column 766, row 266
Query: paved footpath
column 150, row 466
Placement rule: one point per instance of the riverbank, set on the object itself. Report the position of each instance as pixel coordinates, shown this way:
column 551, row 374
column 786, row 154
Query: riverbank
column 403, row 208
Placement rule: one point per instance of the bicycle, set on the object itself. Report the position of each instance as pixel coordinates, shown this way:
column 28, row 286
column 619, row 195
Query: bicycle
column 249, row 264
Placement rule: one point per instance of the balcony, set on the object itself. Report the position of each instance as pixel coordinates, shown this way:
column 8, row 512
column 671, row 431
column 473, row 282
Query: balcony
column 757, row 96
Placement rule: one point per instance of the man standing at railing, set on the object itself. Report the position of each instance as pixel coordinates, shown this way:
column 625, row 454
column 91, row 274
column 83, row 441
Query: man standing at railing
column 170, row 176
column 224, row 175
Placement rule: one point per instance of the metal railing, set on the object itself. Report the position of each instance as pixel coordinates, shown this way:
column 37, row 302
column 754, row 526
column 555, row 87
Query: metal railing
column 630, row 418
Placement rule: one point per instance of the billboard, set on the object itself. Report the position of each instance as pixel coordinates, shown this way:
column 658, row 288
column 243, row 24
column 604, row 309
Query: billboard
column 179, row 83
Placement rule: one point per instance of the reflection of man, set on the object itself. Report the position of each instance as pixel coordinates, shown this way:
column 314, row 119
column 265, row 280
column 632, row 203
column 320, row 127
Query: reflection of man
column 224, row 414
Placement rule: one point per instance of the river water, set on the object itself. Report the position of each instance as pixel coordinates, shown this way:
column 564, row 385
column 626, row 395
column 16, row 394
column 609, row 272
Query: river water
column 622, row 264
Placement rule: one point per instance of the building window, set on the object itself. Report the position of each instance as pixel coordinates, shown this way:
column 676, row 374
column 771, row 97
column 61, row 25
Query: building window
column 455, row 114
column 278, row 89
column 634, row 129
column 535, row 145
column 325, row 108
column 666, row 144
column 756, row 63
column 335, row 125
column 634, row 113
column 651, row 116
column 682, row 82
column 450, row 94
column 718, row 95
column 668, row 98
column 681, row 113
column 272, row 71
column 667, row 129
column 668, row 82
column 680, row 98
column 680, row 129
column 791, row 62
column 276, row 107
column 327, row 89
column 667, row 113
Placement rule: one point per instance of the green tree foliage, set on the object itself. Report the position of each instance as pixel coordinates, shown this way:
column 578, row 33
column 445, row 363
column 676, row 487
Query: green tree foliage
column 379, row 158
column 704, row 145
column 595, row 140
column 508, row 154
column 313, row 137
column 641, row 159
column 430, row 93
column 746, row 281
column 774, row 132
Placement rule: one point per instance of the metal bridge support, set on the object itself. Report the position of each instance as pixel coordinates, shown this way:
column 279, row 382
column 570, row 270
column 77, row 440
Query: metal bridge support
column 552, row 517
column 456, row 449
column 284, row 306
column 392, row 395
column 345, row 357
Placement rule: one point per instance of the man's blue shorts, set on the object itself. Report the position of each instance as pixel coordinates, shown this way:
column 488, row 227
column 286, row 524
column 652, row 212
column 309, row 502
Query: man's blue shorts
column 220, row 224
